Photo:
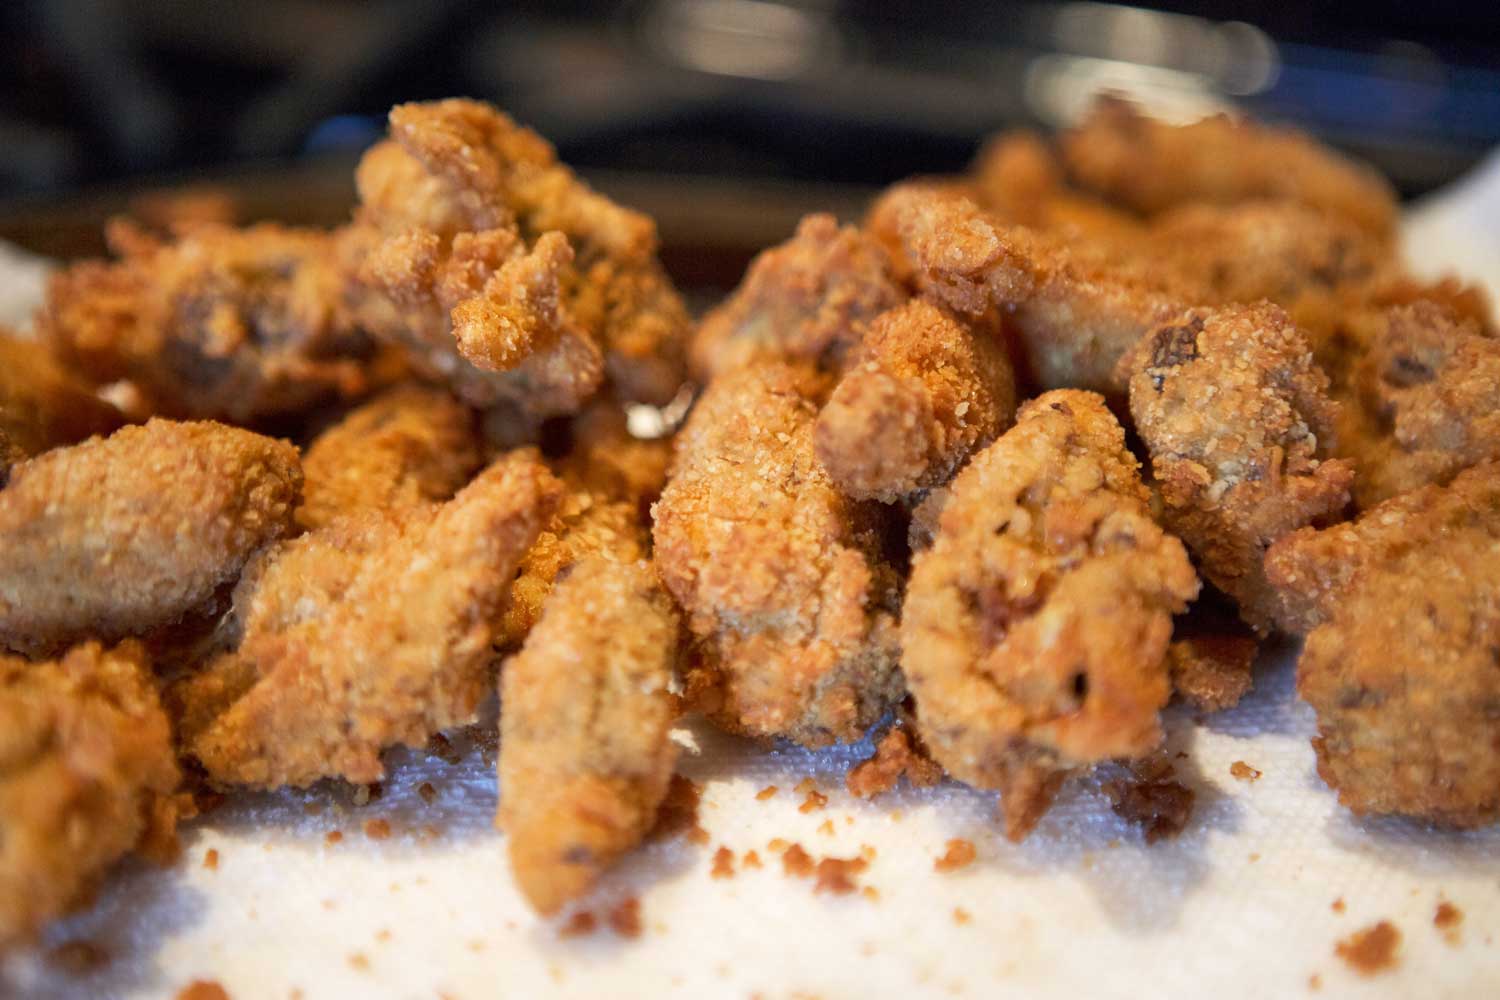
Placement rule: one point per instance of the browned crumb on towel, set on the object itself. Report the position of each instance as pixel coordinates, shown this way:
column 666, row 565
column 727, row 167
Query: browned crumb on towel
column 1447, row 919
column 1212, row 672
column 1338, row 905
column 1370, row 951
column 776, row 845
column 826, row 827
column 1315, row 982
column 765, row 793
column 899, row 752
column 203, row 989
column 377, row 829
column 442, row 748
column 78, row 957
column 580, row 924
column 815, row 800
column 723, row 863
column 797, row 862
column 750, row 860
column 678, row 812
column 625, row 917
column 333, row 837
column 961, row 916
column 960, row 854
column 360, row 961
column 1243, row 771
column 427, row 792
column 211, row 859
column 1150, row 799
column 836, row 875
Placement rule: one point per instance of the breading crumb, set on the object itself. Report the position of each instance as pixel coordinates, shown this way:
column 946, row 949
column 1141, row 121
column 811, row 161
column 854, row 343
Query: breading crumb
column 766, row 793
column 871, row 893
column 898, row 753
column 333, row 837
column 797, row 862
column 1243, row 771
column 723, row 863
column 1447, row 919
column 427, row 792
column 750, row 860
column 1315, row 982
column 1337, row 905
column 678, row 812
column 815, row 800
column 625, row 918
column 1370, row 951
column 826, row 827
column 836, row 875
column 960, row 854
column 776, row 845
column 211, row 859
column 1150, row 799
column 961, row 915
column 377, row 829
column 360, row 961
column 805, row 785
column 580, row 924
column 202, row 989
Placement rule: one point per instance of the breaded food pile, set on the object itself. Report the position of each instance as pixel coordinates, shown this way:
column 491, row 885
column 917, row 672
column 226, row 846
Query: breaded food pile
column 995, row 471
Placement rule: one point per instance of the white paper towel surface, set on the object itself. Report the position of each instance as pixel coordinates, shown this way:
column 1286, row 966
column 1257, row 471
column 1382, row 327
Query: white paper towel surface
column 1241, row 905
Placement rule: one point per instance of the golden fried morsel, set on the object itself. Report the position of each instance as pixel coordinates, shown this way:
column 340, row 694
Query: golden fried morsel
column 1075, row 315
column 1426, row 402
column 233, row 324
column 407, row 446
column 585, row 525
column 85, row 755
column 1237, row 421
column 585, row 745
column 605, row 459
column 373, row 631
column 788, row 599
column 1150, row 166
column 42, row 404
column 1400, row 667
column 504, row 272
column 1035, row 627
column 807, row 300
column 922, row 391
column 1212, row 672
column 118, row 535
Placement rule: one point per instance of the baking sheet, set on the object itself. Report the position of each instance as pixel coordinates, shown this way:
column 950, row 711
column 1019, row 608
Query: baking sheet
column 1241, row 905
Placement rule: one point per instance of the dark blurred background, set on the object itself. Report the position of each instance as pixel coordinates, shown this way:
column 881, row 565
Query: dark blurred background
column 753, row 108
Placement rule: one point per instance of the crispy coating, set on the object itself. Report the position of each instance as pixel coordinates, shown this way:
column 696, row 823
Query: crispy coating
column 1237, row 421
column 118, row 535
column 1035, row 627
column 85, row 757
column 1150, row 166
column 605, row 459
column 1404, row 606
column 585, row 746
column 1212, row 671
column 922, row 392
column 1075, row 316
column 406, row 447
column 371, row 632
column 788, row 598
column 507, row 274
column 807, row 300
column 1426, row 402
column 231, row 324
column 43, row 404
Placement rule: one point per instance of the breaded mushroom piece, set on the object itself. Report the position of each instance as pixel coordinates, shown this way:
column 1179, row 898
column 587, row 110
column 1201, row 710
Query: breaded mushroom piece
column 1238, row 424
column 1150, row 166
column 1426, row 402
column 42, row 404
column 1075, row 315
column 585, row 747
column 788, row 598
column 807, row 300
column 409, row 446
column 85, row 757
column 222, row 323
column 1035, row 627
column 373, row 631
column 119, row 535
column 1404, row 607
column 922, row 392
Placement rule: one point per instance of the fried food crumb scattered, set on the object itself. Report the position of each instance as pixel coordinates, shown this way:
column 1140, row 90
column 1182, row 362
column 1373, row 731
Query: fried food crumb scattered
column 1150, row 799
column 377, row 829
column 959, row 854
column 899, row 753
column 815, row 800
column 1372, row 950
column 765, row 793
column 580, row 924
column 836, row 875
column 961, row 916
column 1243, row 771
column 211, row 859
column 723, row 866
column 203, row 989
column 625, row 917
column 750, row 860
column 797, row 862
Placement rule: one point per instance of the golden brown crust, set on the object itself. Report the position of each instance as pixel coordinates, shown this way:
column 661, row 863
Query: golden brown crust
column 42, row 404
column 1237, row 421
column 1035, row 627
column 1212, row 671
column 1150, row 166
column 232, row 324
column 605, row 459
column 118, row 535
column 1400, row 663
column 371, row 632
column 585, row 747
column 922, row 391
column 807, row 300
column 787, row 597
column 85, row 756
column 408, row 446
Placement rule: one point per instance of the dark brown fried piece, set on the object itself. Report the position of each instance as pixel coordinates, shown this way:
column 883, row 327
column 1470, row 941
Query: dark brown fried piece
column 585, row 747
column 232, row 324
column 900, row 753
column 807, row 300
column 119, row 535
column 1150, row 166
column 86, row 759
column 1237, row 421
column 371, row 632
column 922, row 392
column 43, row 404
column 1075, row 315
column 1210, row 671
column 1404, row 606
column 788, row 599
column 1426, row 402
column 1149, row 796
column 404, row 448
column 1035, row 627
